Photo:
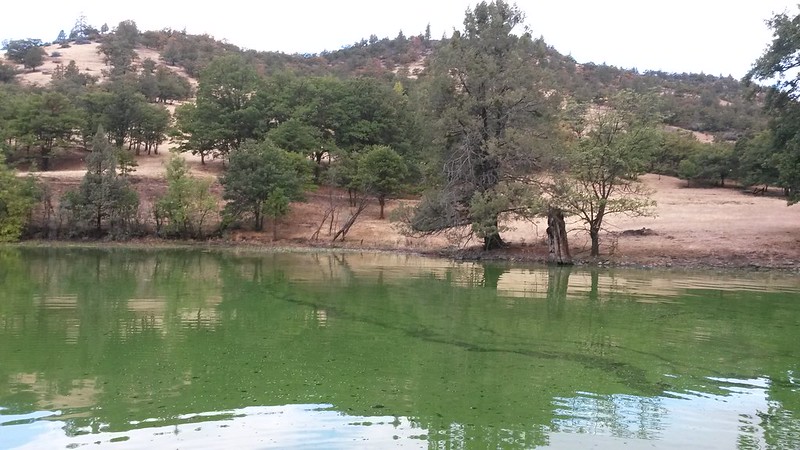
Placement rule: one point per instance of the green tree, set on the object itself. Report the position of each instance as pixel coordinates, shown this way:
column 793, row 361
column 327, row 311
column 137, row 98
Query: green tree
column 69, row 81
column 186, row 206
column 18, row 48
column 104, row 200
column 45, row 121
column 123, row 110
column 34, row 57
column 119, row 48
column 491, row 104
column 756, row 162
column 710, row 163
column 224, row 115
column 17, row 196
column 607, row 155
column 171, row 86
column 779, row 65
column 7, row 72
column 381, row 172
column 276, row 207
column 254, row 172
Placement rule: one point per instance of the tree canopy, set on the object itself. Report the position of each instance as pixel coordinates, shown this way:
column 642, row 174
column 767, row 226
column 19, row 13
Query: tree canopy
column 491, row 105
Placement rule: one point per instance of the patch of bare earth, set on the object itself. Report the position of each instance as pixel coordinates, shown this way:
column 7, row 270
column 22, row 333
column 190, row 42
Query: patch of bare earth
column 717, row 227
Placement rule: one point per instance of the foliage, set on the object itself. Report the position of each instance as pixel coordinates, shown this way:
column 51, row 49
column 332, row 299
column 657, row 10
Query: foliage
column 491, row 104
column 104, row 201
column 604, row 160
column 779, row 65
column 7, row 72
column 186, row 206
column 34, row 57
column 44, row 121
column 69, row 81
column 276, row 206
column 224, row 115
column 756, row 162
column 254, row 172
column 82, row 32
column 713, row 163
column 17, row 196
column 119, row 47
column 381, row 172
column 17, row 49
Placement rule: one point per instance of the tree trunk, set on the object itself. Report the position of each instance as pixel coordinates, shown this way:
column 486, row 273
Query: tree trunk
column 557, row 237
column 381, row 202
column 594, row 234
column 259, row 218
column 493, row 240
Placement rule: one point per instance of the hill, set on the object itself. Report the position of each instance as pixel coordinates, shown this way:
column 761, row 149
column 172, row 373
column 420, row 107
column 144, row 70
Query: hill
column 116, row 84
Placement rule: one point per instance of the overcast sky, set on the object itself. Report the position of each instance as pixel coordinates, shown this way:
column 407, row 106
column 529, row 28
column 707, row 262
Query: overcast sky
column 718, row 37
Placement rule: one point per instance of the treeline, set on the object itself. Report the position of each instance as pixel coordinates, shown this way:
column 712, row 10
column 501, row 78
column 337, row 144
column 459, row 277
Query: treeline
column 497, row 125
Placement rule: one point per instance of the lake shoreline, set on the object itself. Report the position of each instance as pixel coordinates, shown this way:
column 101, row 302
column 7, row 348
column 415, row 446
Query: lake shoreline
column 525, row 254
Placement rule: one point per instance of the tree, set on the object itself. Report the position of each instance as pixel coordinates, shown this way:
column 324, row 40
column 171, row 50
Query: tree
column 171, row 86
column 16, row 50
column 7, row 73
column 254, row 172
column 81, row 32
column 17, row 196
column 224, row 115
column 70, row 81
column 491, row 104
column 34, row 57
column 104, row 198
column 604, row 160
column 124, row 109
column 381, row 172
column 183, row 210
column 276, row 207
column 779, row 65
column 45, row 121
column 710, row 163
column 756, row 162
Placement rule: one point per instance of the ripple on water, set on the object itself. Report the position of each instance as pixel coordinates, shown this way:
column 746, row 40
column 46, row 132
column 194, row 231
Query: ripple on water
column 288, row 426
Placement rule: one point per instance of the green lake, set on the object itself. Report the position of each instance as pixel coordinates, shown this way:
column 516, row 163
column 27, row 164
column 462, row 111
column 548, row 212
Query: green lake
column 194, row 349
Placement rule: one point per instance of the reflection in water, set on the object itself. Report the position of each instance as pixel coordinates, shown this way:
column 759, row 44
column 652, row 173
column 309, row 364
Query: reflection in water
column 319, row 350
column 290, row 426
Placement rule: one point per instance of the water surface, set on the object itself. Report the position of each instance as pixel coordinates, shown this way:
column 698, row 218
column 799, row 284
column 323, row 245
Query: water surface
column 190, row 349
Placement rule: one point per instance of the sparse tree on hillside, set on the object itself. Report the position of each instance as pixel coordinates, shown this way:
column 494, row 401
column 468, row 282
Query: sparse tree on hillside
column 70, row 81
column 34, row 57
column 17, row 50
